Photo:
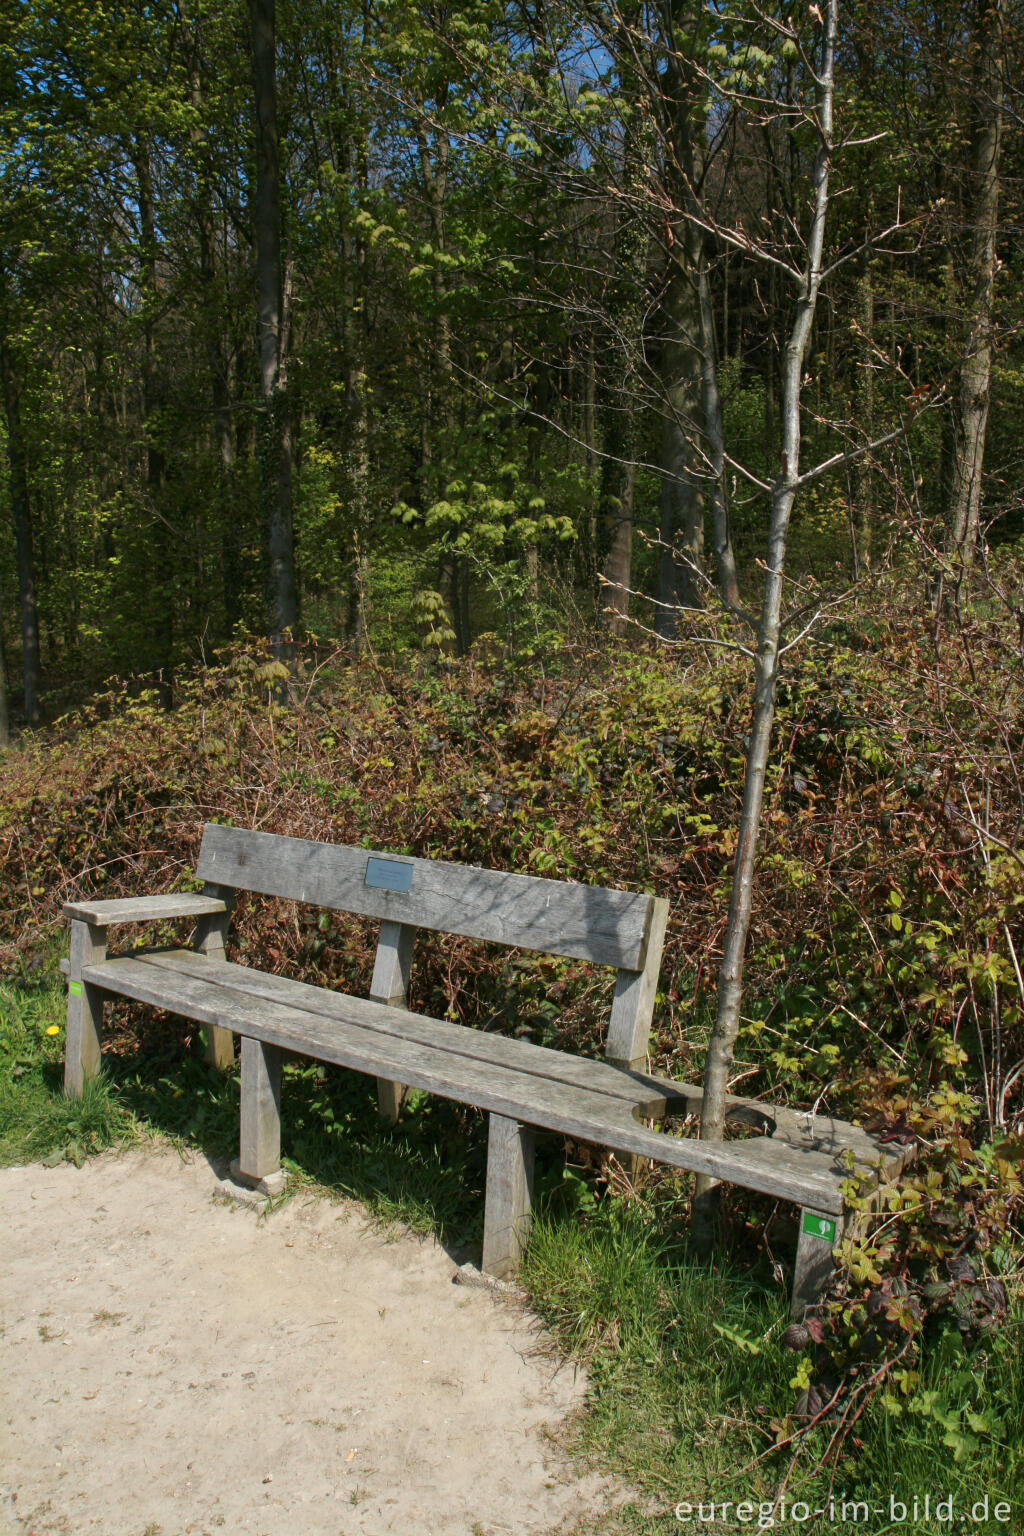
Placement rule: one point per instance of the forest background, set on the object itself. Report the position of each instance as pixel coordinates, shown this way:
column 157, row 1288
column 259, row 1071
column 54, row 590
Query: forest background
column 398, row 404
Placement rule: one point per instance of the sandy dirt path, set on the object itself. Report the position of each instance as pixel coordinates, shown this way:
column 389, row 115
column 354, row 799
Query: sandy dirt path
column 171, row 1364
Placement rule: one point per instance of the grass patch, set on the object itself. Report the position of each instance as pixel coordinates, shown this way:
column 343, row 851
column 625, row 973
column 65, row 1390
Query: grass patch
column 37, row 1123
column 692, row 1387
column 427, row 1172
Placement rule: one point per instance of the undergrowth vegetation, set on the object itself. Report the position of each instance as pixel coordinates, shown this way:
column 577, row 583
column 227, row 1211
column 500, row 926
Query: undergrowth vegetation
column 884, row 984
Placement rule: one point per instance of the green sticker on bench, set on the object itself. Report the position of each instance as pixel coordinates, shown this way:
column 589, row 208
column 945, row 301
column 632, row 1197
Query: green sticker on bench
column 75, row 988
column 388, row 875
column 819, row 1226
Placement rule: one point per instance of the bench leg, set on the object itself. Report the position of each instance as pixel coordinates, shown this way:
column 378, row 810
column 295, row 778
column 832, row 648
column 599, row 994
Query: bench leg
column 817, row 1238
column 209, row 939
column 85, row 1009
column 390, row 984
column 509, row 1199
column 260, row 1156
column 391, row 1099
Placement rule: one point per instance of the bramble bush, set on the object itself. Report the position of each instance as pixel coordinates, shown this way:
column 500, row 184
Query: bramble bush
column 883, row 979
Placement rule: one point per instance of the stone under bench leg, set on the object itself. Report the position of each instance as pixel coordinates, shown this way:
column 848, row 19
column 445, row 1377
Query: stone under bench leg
column 818, row 1236
column 259, row 1162
column 509, row 1201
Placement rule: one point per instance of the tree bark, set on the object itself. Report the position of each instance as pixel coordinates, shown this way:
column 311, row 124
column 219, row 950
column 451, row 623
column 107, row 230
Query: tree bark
column 22, row 537
column 766, row 662
column 165, row 558
column 217, row 364
column 865, row 416
column 684, row 175
column 618, row 478
column 681, row 556
column 725, row 559
column 5, row 719
column 970, row 406
column 274, row 429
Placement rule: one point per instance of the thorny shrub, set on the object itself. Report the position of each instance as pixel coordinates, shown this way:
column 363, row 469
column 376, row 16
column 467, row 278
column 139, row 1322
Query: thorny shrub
column 883, row 979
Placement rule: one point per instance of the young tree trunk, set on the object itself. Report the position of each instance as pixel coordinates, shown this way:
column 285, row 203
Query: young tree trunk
column 22, row 537
column 274, row 431
column 766, row 661
column 970, row 406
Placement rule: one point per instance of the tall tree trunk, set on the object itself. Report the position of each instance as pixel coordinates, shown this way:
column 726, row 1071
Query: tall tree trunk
column 217, row 364
column 865, row 417
column 970, row 406
column 619, row 481
column 22, row 537
column 452, row 579
column 274, row 430
column 632, row 242
column 681, row 553
column 684, row 95
column 766, row 661
column 725, row 559
column 5, row 719
column 164, row 556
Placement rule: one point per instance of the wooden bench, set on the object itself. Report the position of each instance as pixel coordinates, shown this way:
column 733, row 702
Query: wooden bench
column 523, row 1086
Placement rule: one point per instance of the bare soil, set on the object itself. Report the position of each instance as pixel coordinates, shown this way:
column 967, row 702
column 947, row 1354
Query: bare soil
column 176, row 1365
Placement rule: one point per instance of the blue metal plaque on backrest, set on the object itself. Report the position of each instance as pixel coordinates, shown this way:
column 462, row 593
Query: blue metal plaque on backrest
column 388, row 874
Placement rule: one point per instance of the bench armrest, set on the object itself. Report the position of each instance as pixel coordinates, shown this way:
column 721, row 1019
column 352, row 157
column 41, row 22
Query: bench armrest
column 143, row 909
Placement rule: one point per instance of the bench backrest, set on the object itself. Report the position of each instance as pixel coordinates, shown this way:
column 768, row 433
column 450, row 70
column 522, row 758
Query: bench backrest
column 615, row 928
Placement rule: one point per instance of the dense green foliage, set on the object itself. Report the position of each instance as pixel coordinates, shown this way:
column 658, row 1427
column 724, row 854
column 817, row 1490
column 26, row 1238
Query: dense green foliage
column 479, row 229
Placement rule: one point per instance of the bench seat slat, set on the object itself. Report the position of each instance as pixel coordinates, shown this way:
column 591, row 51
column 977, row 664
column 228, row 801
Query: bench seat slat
column 652, row 1096
column 556, row 917
column 574, row 1111
column 501, row 1050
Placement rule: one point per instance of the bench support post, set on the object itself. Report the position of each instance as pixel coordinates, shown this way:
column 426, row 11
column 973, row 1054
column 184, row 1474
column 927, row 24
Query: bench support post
column 210, row 937
column 260, row 1155
column 509, row 1201
column 629, row 1028
column 818, row 1235
column 85, row 1008
column 390, row 985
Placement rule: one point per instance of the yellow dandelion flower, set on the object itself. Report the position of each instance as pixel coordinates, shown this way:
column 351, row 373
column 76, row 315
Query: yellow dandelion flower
column 54, row 1029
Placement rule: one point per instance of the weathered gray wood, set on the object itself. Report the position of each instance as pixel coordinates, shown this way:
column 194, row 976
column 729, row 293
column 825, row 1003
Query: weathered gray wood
column 650, row 1097
column 553, row 916
column 629, row 1029
column 390, row 984
column 142, row 909
column 818, row 1233
column 509, row 1199
column 654, row 1094
column 84, row 1039
column 260, row 1141
column 210, row 939
column 540, row 1101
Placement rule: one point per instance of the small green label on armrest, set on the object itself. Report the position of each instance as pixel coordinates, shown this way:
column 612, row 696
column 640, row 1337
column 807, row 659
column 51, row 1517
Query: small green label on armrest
column 75, row 988
column 819, row 1226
